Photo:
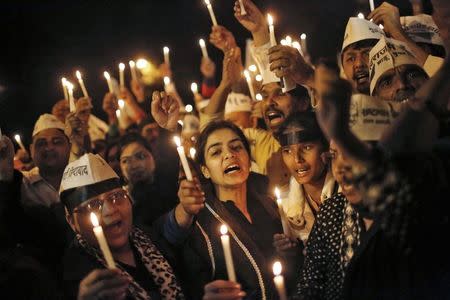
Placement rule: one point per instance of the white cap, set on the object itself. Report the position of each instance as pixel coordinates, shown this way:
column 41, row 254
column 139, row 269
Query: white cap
column 386, row 55
column 238, row 102
column 191, row 124
column 88, row 169
column 47, row 121
column 422, row 29
column 370, row 116
column 360, row 29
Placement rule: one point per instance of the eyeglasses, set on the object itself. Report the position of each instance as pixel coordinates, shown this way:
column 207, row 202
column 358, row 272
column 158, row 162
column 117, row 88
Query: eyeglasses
column 96, row 204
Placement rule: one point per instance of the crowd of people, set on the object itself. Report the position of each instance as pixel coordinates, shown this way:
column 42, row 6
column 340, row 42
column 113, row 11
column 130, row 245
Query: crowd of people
column 357, row 147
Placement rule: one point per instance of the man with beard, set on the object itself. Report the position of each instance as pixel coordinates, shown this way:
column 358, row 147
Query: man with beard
column 394, row 72
column 149, row 186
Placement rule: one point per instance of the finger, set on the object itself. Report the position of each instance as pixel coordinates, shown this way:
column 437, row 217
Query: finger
column 280, row 63
column 276, row 48
column 100, row 274
column 156, row 101
column 113, row 293
column 221, row 284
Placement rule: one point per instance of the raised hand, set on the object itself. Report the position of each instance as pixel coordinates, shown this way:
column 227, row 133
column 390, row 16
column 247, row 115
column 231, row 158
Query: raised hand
column 137, row 87
column 284, row 245
column 286, row 61
column 165, row 110
column 254, row 21
column 223, row 290
column 110, row 104
column 232, row 66
column 222, row 38
column 103, row 284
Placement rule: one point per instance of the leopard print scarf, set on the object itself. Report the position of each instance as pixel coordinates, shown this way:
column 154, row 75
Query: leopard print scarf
column 154, row 262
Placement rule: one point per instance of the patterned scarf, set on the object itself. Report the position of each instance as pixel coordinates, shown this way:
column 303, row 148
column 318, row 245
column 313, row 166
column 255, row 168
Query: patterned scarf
column 154, row 261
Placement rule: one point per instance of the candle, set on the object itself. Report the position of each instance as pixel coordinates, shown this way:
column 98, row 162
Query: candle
column 64, row 82
column 297, row 46
column 83, row 87
column 283, row 42
column 372, row 5
column 122, row 75
column 253, row 68
column 360, row 15
column 194, row 88
column 258, row 77
column 192, row 152
column 259, row 97
column 141, row 63
column 211, row 12
column 303, row 42
column 166, row 51
column 243, row 11
column 19, row 142
column 132, row 65
column 121, row 103
column 278, row 279
column 183, row 158
column 118, row 113
column 203, row 47
column 225, row 238
column 250, row 84
column 71, row 99
column 381, row 26
column 166, row 80
column 98, row 231
column 108, row 80
column 273, row 41
column 188, row 108
column 288, row 40
column 284, row 221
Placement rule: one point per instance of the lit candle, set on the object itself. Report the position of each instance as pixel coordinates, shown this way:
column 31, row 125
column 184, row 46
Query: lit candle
column 243, row 11
column 253, row 68
column 83, row 87
column 360, row 15
column 183, row 158
column 19, row 142
column 132, row 65
column 64, row 82
column 141, row 63
column 225, row 238
column 194, row 88
column 284, row 220
column 250, row 84
column 372, row 5
column 203, row 47
column 118, row 113
column 188, row 108
column 297, row 46
column 211, row 12
column 166, row 80
column 71, row 99
column 166, row 51
column 303, row 42
column 283, row 42
column 259, row 97
column 278, row 279
column 258, row 77
column 108, row 80
column 121, row 103
column 381, row 26
column 98, row 231
column 122, row 75
column 192, row 152
column 288, row 41
column 273, row 41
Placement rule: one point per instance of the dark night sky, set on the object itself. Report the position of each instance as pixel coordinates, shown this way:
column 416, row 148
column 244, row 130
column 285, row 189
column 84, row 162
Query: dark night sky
column 44, row 40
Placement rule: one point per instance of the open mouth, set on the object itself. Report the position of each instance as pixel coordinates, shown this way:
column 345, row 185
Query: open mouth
column 361, row 77
column 274, row 116
column 114, row 227
column 302, row 171
column 232, row 169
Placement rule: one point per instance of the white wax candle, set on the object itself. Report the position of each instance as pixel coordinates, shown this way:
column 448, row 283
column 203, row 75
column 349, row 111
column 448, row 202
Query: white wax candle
column 288, row 40
column 183, row 159
column 192, row 152
column 133, row 69
column 81, row 82
column 225, row 238
column 64, row 82
column 303, row 42
column 211, row 12
column 297, row 46
column 121, row 103
column 118, row 113
column 284, row 221
column 273, row 41
column 71, row 99
column 372, row 5
column 243, row 11
column 203, row 47
column 108, row 80
column 253, row 68
column 250, row 84
column 166, row 51
column 259, row 97
column 98, row 231
column 278, row 279
column 360, row 15
column 122, row 75
column 19, row 141
column 194, row 88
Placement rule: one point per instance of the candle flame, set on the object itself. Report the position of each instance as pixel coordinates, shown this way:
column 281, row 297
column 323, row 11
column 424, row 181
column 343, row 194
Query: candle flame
column 69, row 85
column 78, row 74
column 177, row 140
column 166, row 80
column 277, row 268
column 270, row 19
column 118, row 113
column 166, row 50
column 252, row 68
column 381, row 26
column 192, row 152
column 207, row 2
column 303, row 36
column 121, row 103
column 247, row 75
column 17, row 138
column 121, row 66
column 194, row 87
column 288, row 40
column 131, row 63
column 296, row 45
column 223, row 229
column 188, row 108
column 259, row 97
column 283, row 42
column 94, row 219
column 106, row 74
column 277, row 193
column 258, row 77
column 202, row 43
column 64, row 81
column 141, row 63
column 361, row 16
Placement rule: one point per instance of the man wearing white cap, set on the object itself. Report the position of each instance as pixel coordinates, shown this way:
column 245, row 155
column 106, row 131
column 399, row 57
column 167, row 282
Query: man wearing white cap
column 394, row 72
column 238, row 109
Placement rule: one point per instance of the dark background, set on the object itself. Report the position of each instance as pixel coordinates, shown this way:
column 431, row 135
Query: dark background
column 41, row 41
